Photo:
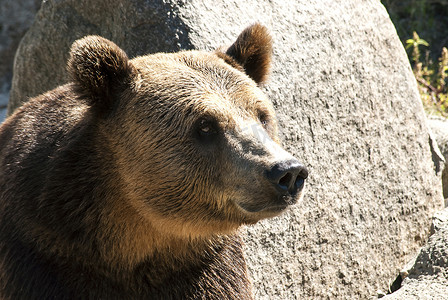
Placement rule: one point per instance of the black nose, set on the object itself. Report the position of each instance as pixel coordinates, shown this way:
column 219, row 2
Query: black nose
column 288, row 176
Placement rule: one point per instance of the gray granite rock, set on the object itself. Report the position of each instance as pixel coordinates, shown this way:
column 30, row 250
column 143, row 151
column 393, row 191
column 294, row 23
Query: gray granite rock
column 439, row 126
column 348, row 107
column 16, row 16
column 439, row 129
column 139, row 26
column 3, row 104
column 427, row 277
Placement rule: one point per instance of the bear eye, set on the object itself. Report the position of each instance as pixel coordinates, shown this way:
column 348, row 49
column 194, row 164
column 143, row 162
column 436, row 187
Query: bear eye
column 206, row 129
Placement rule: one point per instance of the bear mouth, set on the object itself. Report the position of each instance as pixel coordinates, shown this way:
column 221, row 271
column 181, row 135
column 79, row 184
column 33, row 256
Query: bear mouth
column 258, row 209
column 273, row 206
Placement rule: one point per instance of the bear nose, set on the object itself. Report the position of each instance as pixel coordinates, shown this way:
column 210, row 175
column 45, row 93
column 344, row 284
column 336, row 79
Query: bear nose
column 288, row 176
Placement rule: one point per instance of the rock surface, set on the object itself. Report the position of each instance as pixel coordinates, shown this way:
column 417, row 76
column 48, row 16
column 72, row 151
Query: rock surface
column 139, row 26
column 348, row 107
column 439, row 128
column 427, row 278
column 16, row 16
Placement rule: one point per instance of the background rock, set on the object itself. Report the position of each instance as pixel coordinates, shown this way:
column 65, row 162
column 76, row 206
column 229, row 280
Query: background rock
column 439, row 128
column 348, row 107
column 16, row 17
column 427, row 278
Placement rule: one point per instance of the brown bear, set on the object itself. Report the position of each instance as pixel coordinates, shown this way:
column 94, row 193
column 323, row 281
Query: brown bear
column 131, row 181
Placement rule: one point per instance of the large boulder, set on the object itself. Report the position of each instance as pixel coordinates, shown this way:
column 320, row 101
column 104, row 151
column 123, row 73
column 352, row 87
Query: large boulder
column 348, row 107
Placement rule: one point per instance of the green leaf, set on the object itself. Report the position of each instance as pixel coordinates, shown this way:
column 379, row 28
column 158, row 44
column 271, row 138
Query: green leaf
column 422, row 42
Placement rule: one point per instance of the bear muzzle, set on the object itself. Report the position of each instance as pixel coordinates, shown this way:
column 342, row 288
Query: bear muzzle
column 285, row 181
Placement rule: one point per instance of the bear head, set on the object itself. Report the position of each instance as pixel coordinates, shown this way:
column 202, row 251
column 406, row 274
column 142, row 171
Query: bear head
column 194, row 138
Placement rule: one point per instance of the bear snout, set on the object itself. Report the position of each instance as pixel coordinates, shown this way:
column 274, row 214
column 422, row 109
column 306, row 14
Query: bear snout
column 288, row 178
column 283, row 184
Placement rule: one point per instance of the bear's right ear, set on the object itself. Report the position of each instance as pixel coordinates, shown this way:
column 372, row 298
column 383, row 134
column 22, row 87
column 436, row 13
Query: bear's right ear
column 253, row 51
column 99, row 67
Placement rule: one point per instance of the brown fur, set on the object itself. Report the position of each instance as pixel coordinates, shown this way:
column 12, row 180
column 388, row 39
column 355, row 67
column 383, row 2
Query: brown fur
column 99, row 66
column 253, row 51
column 109, row 191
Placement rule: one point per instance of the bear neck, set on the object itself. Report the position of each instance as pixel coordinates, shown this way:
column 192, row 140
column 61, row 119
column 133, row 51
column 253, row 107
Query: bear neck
column 129, row 240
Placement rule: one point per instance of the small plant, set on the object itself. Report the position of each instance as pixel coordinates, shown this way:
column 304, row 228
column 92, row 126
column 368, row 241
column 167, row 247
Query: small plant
column 431, row 76
column 414, row 43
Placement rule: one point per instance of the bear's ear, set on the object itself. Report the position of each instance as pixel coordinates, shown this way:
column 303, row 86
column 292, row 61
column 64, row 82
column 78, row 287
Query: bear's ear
column 253, row 51
column 99, row 67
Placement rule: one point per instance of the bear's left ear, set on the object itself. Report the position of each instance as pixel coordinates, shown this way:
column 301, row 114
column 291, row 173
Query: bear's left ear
column 253, row 51
column 99, row 67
